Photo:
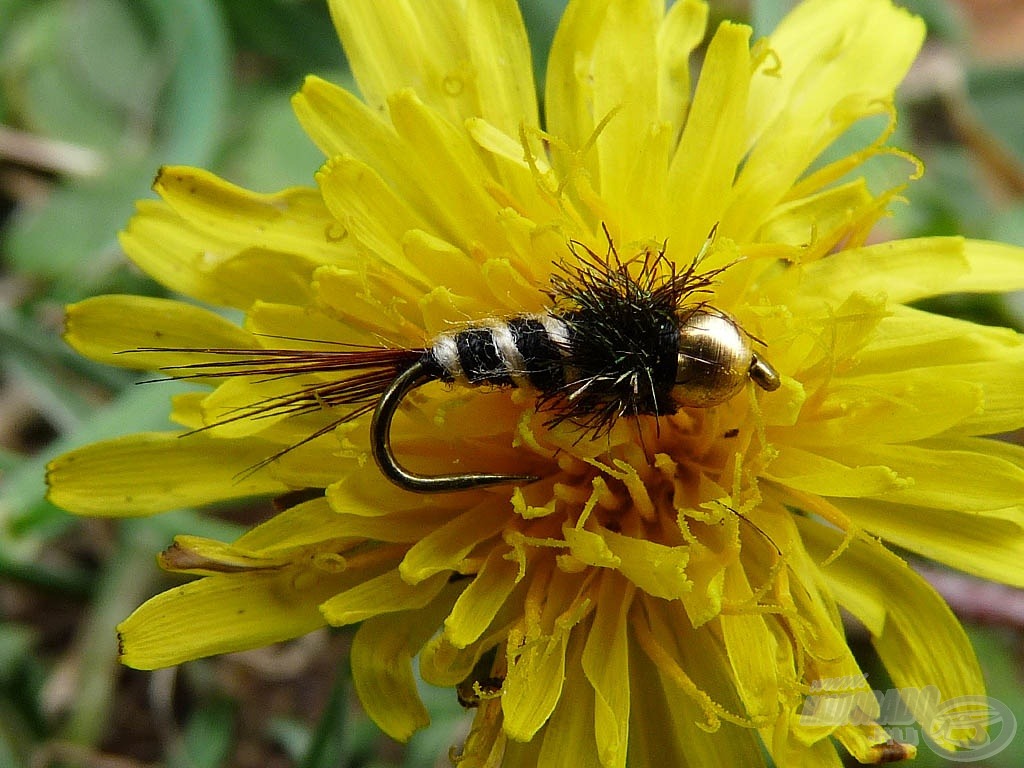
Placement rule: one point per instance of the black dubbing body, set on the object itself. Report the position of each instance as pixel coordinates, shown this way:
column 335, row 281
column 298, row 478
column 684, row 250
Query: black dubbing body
column 542, row 357
column 628, row 361
column 479, row 359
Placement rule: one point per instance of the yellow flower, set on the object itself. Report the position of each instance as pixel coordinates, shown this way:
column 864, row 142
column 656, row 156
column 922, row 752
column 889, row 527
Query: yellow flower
column 668, row 592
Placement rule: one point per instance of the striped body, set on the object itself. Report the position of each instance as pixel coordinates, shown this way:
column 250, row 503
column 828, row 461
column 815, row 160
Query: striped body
column 556, row 355
column 522, row 351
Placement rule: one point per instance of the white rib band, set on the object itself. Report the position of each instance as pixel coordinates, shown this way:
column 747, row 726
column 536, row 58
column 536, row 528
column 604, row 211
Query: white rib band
column 446, row 352
column 508, row 352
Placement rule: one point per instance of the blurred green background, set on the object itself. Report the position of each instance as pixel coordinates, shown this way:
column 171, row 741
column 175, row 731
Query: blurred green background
column 95, row 95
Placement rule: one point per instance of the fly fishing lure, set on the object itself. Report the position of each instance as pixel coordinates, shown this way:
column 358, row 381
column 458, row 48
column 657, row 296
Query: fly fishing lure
column 620, row 339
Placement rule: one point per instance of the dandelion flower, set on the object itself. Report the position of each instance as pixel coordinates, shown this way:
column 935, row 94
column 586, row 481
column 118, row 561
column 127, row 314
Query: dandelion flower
column 666, row 594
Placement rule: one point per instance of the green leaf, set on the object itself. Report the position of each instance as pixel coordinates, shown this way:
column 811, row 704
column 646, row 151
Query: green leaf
column 765, row 15
column 943, row 19
column 328, row 748
column 208, row 737
column 72, row 238
column 16, row 642
column 15, row 746
column 946, row 201
column 23, row 508
column 541, row 18
column 45, row 86
column 1008, row 225
column 108, row 51
column 297, row 35
column 9, row 10
column 998, row 653
column 995, row 94
column 194, row 98
column 291, row 736
column 271, row 150
column 125, row 580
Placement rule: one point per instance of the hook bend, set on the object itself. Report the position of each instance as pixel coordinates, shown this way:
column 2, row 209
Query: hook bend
column 414, row 376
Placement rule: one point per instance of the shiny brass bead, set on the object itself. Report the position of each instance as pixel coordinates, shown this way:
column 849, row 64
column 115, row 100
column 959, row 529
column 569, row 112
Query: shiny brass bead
column 716, row 360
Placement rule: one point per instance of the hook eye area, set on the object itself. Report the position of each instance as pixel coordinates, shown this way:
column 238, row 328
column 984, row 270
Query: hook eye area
column 417, row 375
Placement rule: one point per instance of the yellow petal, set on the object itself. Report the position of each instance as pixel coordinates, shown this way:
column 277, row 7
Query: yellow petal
column 444, row 264
column 870, row 743
column 820, row 754
column 461, row 207
column 826, row 642
column 307, row 523
column 157, row 471
column 371, row 213
column 657, row 569
column 514, row 754
column 568, row 99
column 480, row 602
column 391, row 46
column 226, row 613
column 917, row 346
column 108, row 328
column 748, row 642
column 340, row 124
column 568, row 738
column 685, row 736
column 200, row 556
column 362, row 494
column 296, row 524
column 706, row 569
column 712, row 145
column 441, row 307
column 352, row 298
column 902, row 270
column 302, row 322
column 536, row 660
column 969, row 474
column 170, row 251
column 521, row 166
column 590, row 548
column 820, row 220
column 189, row 241
column 382, row 653
column 815, row 473
column 605, row 663
column 829, row 338
column 834, row 62
column 293, row 221
column 446, row 666
column 681, row 32
column 989, row 545
column 534, row 685
column 444, row 549
column 873, row 41
column 624, row 80
column 267, row 275
column 994, row 268
column 889, row 408
column 500, row 54
column 387, row 593
column 923, row 338
column 921, row 642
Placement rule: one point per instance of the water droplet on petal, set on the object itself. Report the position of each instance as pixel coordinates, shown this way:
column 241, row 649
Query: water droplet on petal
column 453, row 84
column 335, row 232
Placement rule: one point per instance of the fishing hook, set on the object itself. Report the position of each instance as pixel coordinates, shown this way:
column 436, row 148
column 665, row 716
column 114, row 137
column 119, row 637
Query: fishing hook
column 414, row 376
